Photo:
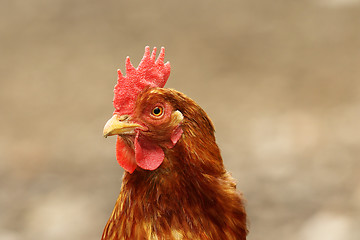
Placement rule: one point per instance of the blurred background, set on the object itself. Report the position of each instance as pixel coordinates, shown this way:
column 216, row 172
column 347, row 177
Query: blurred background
column 280, row 80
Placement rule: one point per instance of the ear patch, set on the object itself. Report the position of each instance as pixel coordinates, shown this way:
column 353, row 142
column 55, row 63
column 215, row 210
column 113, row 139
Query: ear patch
column 176, row 119
column 176, row 135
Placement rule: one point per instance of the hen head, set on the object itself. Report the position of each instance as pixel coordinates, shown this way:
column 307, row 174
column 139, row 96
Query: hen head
column 146, row 119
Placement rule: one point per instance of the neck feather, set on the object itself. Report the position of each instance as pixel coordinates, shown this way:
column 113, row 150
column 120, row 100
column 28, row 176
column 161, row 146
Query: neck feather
column 189, row 195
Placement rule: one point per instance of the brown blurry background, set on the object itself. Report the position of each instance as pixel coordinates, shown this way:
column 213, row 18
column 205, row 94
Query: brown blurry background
column 280, row 80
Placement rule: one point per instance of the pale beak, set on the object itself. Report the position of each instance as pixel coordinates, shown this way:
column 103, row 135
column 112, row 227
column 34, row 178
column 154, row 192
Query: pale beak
column 118, row 125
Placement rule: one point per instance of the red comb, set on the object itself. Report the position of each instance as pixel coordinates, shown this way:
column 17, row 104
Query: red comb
column 149, row 73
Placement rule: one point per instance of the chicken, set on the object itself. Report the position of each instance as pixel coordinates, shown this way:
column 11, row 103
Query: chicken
column 175, row 185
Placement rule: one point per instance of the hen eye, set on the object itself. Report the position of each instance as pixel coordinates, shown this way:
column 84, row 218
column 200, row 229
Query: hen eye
column 157, row 111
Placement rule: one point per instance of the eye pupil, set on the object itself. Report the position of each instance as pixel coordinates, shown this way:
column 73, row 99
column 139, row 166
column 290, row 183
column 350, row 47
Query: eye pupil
column 157, row 111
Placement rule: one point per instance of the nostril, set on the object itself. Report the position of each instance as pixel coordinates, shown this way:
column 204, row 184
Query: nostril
column 123, row 117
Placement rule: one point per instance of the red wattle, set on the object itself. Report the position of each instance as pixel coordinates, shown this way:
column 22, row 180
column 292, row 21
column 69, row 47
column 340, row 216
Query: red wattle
column 125, row 155
column 148, row 155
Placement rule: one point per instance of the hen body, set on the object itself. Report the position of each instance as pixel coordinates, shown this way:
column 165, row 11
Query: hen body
column 190, row 195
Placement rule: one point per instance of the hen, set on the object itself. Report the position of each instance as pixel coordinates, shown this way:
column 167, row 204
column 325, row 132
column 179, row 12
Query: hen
column 175, row 185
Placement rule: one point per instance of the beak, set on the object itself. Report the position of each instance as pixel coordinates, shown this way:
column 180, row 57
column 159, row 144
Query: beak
column 118, row 125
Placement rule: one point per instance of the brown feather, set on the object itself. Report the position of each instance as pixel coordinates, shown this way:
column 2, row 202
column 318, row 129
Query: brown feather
column 190, row 196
